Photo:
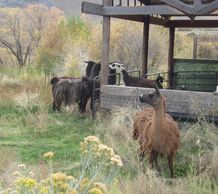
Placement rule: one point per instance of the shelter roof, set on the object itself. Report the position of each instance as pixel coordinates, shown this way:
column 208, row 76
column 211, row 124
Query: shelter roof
column 168, row 13
column 184, row 1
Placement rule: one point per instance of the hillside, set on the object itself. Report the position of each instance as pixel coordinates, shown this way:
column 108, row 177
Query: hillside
column 70, row 7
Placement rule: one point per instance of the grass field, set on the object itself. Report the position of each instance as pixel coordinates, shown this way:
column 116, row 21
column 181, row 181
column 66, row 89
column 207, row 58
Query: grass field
column 29, row 128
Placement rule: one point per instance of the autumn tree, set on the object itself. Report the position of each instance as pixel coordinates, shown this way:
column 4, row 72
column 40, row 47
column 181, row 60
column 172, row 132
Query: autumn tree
column 22, row 29
column 12, row 37
column 63, row 47
column 39, row 18
column 126, row 45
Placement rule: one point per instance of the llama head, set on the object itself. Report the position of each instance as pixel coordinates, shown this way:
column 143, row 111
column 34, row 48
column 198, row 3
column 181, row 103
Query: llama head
column 152, row 98
column 54, row 80
column 116, row 66
column 90, row 62
column 160, row 79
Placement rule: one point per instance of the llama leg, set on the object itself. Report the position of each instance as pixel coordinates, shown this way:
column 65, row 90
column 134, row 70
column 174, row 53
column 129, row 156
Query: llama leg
column 66, row 100
column 156, row 163
column 58, row 105
column 54, row 107
column 92, row 103
column 82, row 104
column 170, row 163
column 141, row 151
column 151, row 159
column 141, row 155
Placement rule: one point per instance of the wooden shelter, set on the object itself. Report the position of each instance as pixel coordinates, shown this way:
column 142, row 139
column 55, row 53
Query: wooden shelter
column 171, row 14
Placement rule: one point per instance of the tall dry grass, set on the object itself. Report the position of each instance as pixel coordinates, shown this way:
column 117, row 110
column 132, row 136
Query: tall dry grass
column 195, row 164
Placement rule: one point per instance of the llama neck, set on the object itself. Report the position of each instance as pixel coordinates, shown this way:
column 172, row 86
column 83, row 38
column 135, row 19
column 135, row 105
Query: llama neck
column 159, row 114
column 125, row 77
column 121, row 79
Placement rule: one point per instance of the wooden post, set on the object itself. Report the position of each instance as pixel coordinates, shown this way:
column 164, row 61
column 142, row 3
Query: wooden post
column 145, row 46
column 171, row 56
column 105, row 46
column 195, row 46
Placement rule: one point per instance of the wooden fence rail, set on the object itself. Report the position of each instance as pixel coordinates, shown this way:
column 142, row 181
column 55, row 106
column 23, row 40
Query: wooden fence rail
column 126, row 3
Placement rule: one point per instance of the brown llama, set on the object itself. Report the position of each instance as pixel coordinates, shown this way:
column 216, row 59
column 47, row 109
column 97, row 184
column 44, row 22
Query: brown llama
column 156, row 131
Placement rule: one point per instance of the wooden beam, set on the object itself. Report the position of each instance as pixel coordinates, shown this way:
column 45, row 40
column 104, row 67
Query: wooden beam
column 192, row 23
column 140, row 18
column 136, row 18
column 195, row 47
column 171, row 56
column 140, row 10
column 159, row 2
column 105, row 46
column 173, row 23
column 145, row 41
column 91, row 8
column 187, row 9
column 158, row 21
column 197, row 4
column 206, row 9
column 165, row 10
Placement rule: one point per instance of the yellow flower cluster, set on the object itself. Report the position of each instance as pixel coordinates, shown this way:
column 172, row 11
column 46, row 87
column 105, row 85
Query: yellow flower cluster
column 26, row 182
column 84, row 183
column 21, row 166
column 95, row 191
column 105, row 150
column 116, row 160
column 48, row 155
column 100, row 186
column 59, row 177
column 100, row 150
column 90, row 141
column 16, row 173
column 44, row 190
column 60, row 183
column 95, row 188
column 73, row 191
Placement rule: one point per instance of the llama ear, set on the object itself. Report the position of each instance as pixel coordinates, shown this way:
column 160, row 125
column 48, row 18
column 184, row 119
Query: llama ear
column 157, row 90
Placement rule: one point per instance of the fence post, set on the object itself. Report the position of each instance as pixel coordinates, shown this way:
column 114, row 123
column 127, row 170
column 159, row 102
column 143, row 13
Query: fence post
column 216, row 91
column 93, row 100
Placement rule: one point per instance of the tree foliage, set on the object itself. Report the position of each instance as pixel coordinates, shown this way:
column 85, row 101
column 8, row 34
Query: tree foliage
column 126, row 44
column 63, row 47
column 22, row 29
column 12, row 36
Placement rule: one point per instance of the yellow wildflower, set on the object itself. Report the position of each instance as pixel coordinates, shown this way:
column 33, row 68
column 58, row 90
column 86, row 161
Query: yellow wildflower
column 92, row 139
column 116, row 160
column 44, row 190
column 59, row 177
column 95, row 191
column 48, row 155
column 21, row 166
column 31, row 173
column 84, row 182
column 61, row 186
column 103, row 149
column 73, row 192
column 16, row 173
column 26, row 182
column 71, row 178
column 101, row 186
